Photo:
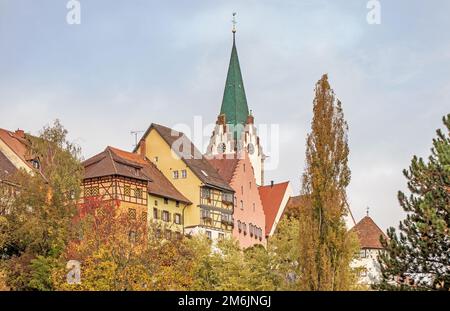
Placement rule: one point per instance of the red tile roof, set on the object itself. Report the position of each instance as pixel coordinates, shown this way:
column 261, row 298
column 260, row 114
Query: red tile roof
column 294, row 204
column 18, row 143
column 225, row 166
column 271, row 198
column 109, row 163
column 368, row 233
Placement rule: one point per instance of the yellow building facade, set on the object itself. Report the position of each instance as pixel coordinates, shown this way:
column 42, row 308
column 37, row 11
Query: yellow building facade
column 191, row 174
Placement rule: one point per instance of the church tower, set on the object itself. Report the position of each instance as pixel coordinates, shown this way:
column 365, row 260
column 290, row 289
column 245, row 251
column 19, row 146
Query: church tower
column 235, row 130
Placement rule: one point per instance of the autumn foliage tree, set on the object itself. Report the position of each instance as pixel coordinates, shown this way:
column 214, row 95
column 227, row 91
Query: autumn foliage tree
column 117, row 252
column 326, row 249
column 418, row 258
column 37, row 226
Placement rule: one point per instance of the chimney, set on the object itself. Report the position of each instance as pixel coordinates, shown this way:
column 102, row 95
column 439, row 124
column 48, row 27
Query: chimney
column 271, row 183
column 20, row 133
column 142, row 148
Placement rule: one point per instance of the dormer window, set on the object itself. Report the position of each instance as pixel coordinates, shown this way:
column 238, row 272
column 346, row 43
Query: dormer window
column 36, row 164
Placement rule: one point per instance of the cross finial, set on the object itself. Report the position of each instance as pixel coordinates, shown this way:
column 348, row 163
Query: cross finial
column 367, row 211
column 234, row 22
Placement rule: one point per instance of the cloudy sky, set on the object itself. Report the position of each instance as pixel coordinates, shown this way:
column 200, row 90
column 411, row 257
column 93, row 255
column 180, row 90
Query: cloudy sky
column 130, row 63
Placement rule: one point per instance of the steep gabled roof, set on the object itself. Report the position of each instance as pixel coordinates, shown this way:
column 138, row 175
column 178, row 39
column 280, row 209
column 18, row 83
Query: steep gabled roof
column 109, row 163
column 368, row 233
column 17, row 143
column 191, row 156
column 272, row 201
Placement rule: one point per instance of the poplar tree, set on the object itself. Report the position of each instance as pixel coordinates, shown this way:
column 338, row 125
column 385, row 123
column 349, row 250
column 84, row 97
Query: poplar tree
column 326, row 249
column 419, row 257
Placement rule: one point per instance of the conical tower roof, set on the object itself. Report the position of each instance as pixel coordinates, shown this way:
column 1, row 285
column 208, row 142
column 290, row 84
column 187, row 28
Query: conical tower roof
column 234, row 102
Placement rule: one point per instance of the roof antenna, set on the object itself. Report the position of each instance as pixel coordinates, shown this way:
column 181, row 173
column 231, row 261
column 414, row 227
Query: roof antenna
column 135, row 133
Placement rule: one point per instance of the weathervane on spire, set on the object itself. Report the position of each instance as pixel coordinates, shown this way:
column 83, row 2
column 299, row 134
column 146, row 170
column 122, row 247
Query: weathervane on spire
column 234, row 22
column 367, row 210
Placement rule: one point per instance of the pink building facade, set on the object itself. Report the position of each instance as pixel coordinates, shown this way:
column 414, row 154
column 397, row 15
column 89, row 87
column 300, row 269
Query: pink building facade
column 249, row 218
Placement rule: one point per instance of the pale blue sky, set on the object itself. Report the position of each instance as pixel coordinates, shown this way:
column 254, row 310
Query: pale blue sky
column 131, row 63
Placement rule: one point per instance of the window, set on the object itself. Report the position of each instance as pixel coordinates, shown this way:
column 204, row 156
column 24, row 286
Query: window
column 155, row 213
column 242, row 204
column 178, row 235
column 209, row 234
column 132, row 213
column 183, row 174
column 144, row 216
column 95, row 191
column 36, row 164
column 175, row 174
column 166, row 201
column 166, row 216
column 206, row 214
column 227, row 197
column 132, row 236
column 250, row 148
column 244, row 228
column 362, row 253
column 239, row 226
column 249, row 185
column 177, row 219
column 156, row 159
column 244, row 167
column 156, row 202
column 168, row 234
column 158, row 233
column 221, row 236
column 250, row 229
column 127, row 190
column 138, row 193
column 177, row 203
column 242, row 189
column 206, row 193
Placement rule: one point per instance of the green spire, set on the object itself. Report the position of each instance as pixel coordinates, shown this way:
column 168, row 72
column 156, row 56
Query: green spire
column 234, row 103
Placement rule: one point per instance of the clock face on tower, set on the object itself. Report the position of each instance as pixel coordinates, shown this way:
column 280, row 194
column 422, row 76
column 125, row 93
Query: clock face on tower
column 250, row 148
column 221, row 148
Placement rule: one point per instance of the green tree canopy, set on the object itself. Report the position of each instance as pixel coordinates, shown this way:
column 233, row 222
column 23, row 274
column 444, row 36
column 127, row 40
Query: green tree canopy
column 418, row 257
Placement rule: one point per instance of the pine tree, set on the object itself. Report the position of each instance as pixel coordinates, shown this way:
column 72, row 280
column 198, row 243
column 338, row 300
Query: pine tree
column 419, row 257
column 326, row 249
